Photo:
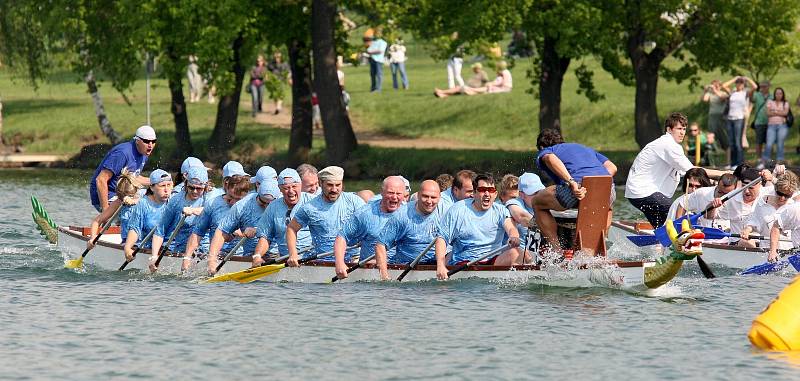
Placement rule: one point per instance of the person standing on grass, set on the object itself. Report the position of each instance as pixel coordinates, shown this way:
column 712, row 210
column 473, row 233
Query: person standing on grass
column 737, row 109
column 279, row 73
column 256, row 86
column 397, row 62
column 717, row 99
column 376, row 51
column 777, row 130
column 131, row 155
column 761, row 121
column 658, row 168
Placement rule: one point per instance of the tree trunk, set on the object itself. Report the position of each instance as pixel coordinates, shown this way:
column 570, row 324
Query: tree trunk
column 2, row 139
column 183, row 140
column 340, row 140
column 553, row 68
column 100, row 111
column 224, row 134
column 301, row 135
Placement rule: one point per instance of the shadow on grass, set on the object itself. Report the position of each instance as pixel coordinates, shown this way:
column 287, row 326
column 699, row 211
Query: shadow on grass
column 28, row 106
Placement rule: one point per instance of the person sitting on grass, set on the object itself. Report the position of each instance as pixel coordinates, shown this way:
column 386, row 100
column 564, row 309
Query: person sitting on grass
column 502, row 84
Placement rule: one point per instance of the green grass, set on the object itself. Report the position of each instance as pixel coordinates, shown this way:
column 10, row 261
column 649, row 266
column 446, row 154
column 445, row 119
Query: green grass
column 59, row 118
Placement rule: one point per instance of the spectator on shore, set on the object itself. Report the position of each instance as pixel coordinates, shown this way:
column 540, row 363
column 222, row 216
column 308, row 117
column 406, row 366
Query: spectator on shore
column 397, row 63
column 502, row 84
column 454, row 64
column 376, row 51
column 777, row 130
column 737, row 108
column 195, row 80
column 256, row 86
column 717, row 99
column 479, row 77
column 279, row 73
column 706, row 141
column 761, row 119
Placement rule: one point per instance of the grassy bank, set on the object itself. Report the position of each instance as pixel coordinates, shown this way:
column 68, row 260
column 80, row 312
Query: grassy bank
column 59, row 118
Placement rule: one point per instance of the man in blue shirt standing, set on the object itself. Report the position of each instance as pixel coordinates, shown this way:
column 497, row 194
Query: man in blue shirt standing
column 366, row 223
column 132, row 156
column 475, row 227
column 566, row 164
column 410, row 230
column 376, row 51
column 324, row 215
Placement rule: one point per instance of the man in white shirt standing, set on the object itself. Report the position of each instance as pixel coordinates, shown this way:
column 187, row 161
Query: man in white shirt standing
column 397, row 62
column 657, row 170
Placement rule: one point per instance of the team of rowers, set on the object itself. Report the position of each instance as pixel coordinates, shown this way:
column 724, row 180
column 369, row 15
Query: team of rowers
column 307, row 212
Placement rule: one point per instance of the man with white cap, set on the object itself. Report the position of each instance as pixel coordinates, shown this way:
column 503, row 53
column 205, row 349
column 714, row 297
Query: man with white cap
column 131, row 155
column 521, row 207
column 189, row 162
column 189, row 202
column 241, row 221
column 410, row 230
column 310, row 178
column 366, row 224
column 271, row 229
column 235, row 186
column 324, row 215
column 265, row 173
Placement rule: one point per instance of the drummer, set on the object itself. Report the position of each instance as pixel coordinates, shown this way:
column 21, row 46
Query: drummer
column 188, row 203
column 147, row 212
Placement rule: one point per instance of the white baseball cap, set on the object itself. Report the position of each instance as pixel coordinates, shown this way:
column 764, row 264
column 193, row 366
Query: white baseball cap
column 146, row 132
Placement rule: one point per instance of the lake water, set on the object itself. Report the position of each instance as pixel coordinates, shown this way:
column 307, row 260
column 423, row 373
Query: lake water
column 60, row 324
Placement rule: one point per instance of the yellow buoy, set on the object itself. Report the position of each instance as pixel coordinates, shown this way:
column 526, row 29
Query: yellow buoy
column 778, row 327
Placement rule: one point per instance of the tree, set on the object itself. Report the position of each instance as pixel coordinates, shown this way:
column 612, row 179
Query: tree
column 300, row 137
column 339, row 137
column 700, row 35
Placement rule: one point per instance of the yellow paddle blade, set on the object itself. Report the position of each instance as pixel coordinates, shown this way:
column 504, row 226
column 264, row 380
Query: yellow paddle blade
column 74, row 263
column 247, row 276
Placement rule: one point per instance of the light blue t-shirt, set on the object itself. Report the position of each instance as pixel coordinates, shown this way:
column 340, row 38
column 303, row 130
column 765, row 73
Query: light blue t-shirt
column 214, row 211
column 324, row 219
column 272, row 225
column 410, row 232
column 376, row 45
column 363, row 227
column 447, row 199
column 169, row 220
column 523, row 230
column 145, row 215
column 244, row 214
column 125, row 215
column 470, row 232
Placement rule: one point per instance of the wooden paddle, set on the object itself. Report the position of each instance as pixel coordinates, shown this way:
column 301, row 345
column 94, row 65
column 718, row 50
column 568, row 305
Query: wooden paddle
column 413, row 264
column 354, row 267
column 77, row 263
column 138, row 248
column 474, row 261
column 164, row 246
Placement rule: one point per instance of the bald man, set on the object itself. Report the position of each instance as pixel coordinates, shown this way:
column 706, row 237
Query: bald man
column 366, row 223
column 410, row 230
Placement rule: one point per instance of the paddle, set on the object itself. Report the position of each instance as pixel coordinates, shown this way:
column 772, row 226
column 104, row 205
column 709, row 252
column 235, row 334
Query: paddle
column 76, row 263
column 354, row 267
column 413, row 264
column 710, row 233
column 138, row 248
column 474, row 261
column 769, row 267
column 255, row 273
column 164, row 247
column 230, row 254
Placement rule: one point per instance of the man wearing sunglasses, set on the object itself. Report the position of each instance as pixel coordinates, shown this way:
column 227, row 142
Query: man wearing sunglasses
column 132, row 156
column 566, row 164
column 474, row 227
column 271, row 229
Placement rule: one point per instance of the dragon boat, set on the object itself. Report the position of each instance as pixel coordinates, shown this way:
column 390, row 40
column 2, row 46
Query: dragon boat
column 722, row 254
column 583, row 238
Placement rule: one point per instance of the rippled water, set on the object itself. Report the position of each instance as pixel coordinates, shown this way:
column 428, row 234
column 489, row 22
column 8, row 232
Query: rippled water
column 99, row 325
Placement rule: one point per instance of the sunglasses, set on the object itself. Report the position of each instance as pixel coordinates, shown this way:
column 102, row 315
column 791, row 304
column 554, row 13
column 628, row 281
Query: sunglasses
column 781, row 194
column 486, row 189
column 196, row 189
column 148, row 141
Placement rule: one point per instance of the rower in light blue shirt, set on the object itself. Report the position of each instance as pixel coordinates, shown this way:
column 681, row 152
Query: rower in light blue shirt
column 147, row 212
column 475, row 227
column 461, row 189
column 272, row 225
column 189, row 162
column 520, row 208
column 189, row 202
column 324, row 215
column 410, row 230
column 366, row 224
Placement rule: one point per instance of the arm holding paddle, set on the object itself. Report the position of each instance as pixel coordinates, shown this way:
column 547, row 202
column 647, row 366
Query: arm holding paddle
column 339, row 248
column 291, row 243
column 774, row 241
column 440, row 248
column 130, row 241
column 101, row 219
column 381, row 261
column 261, row 248
column 213, row 250
column 191, row 245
